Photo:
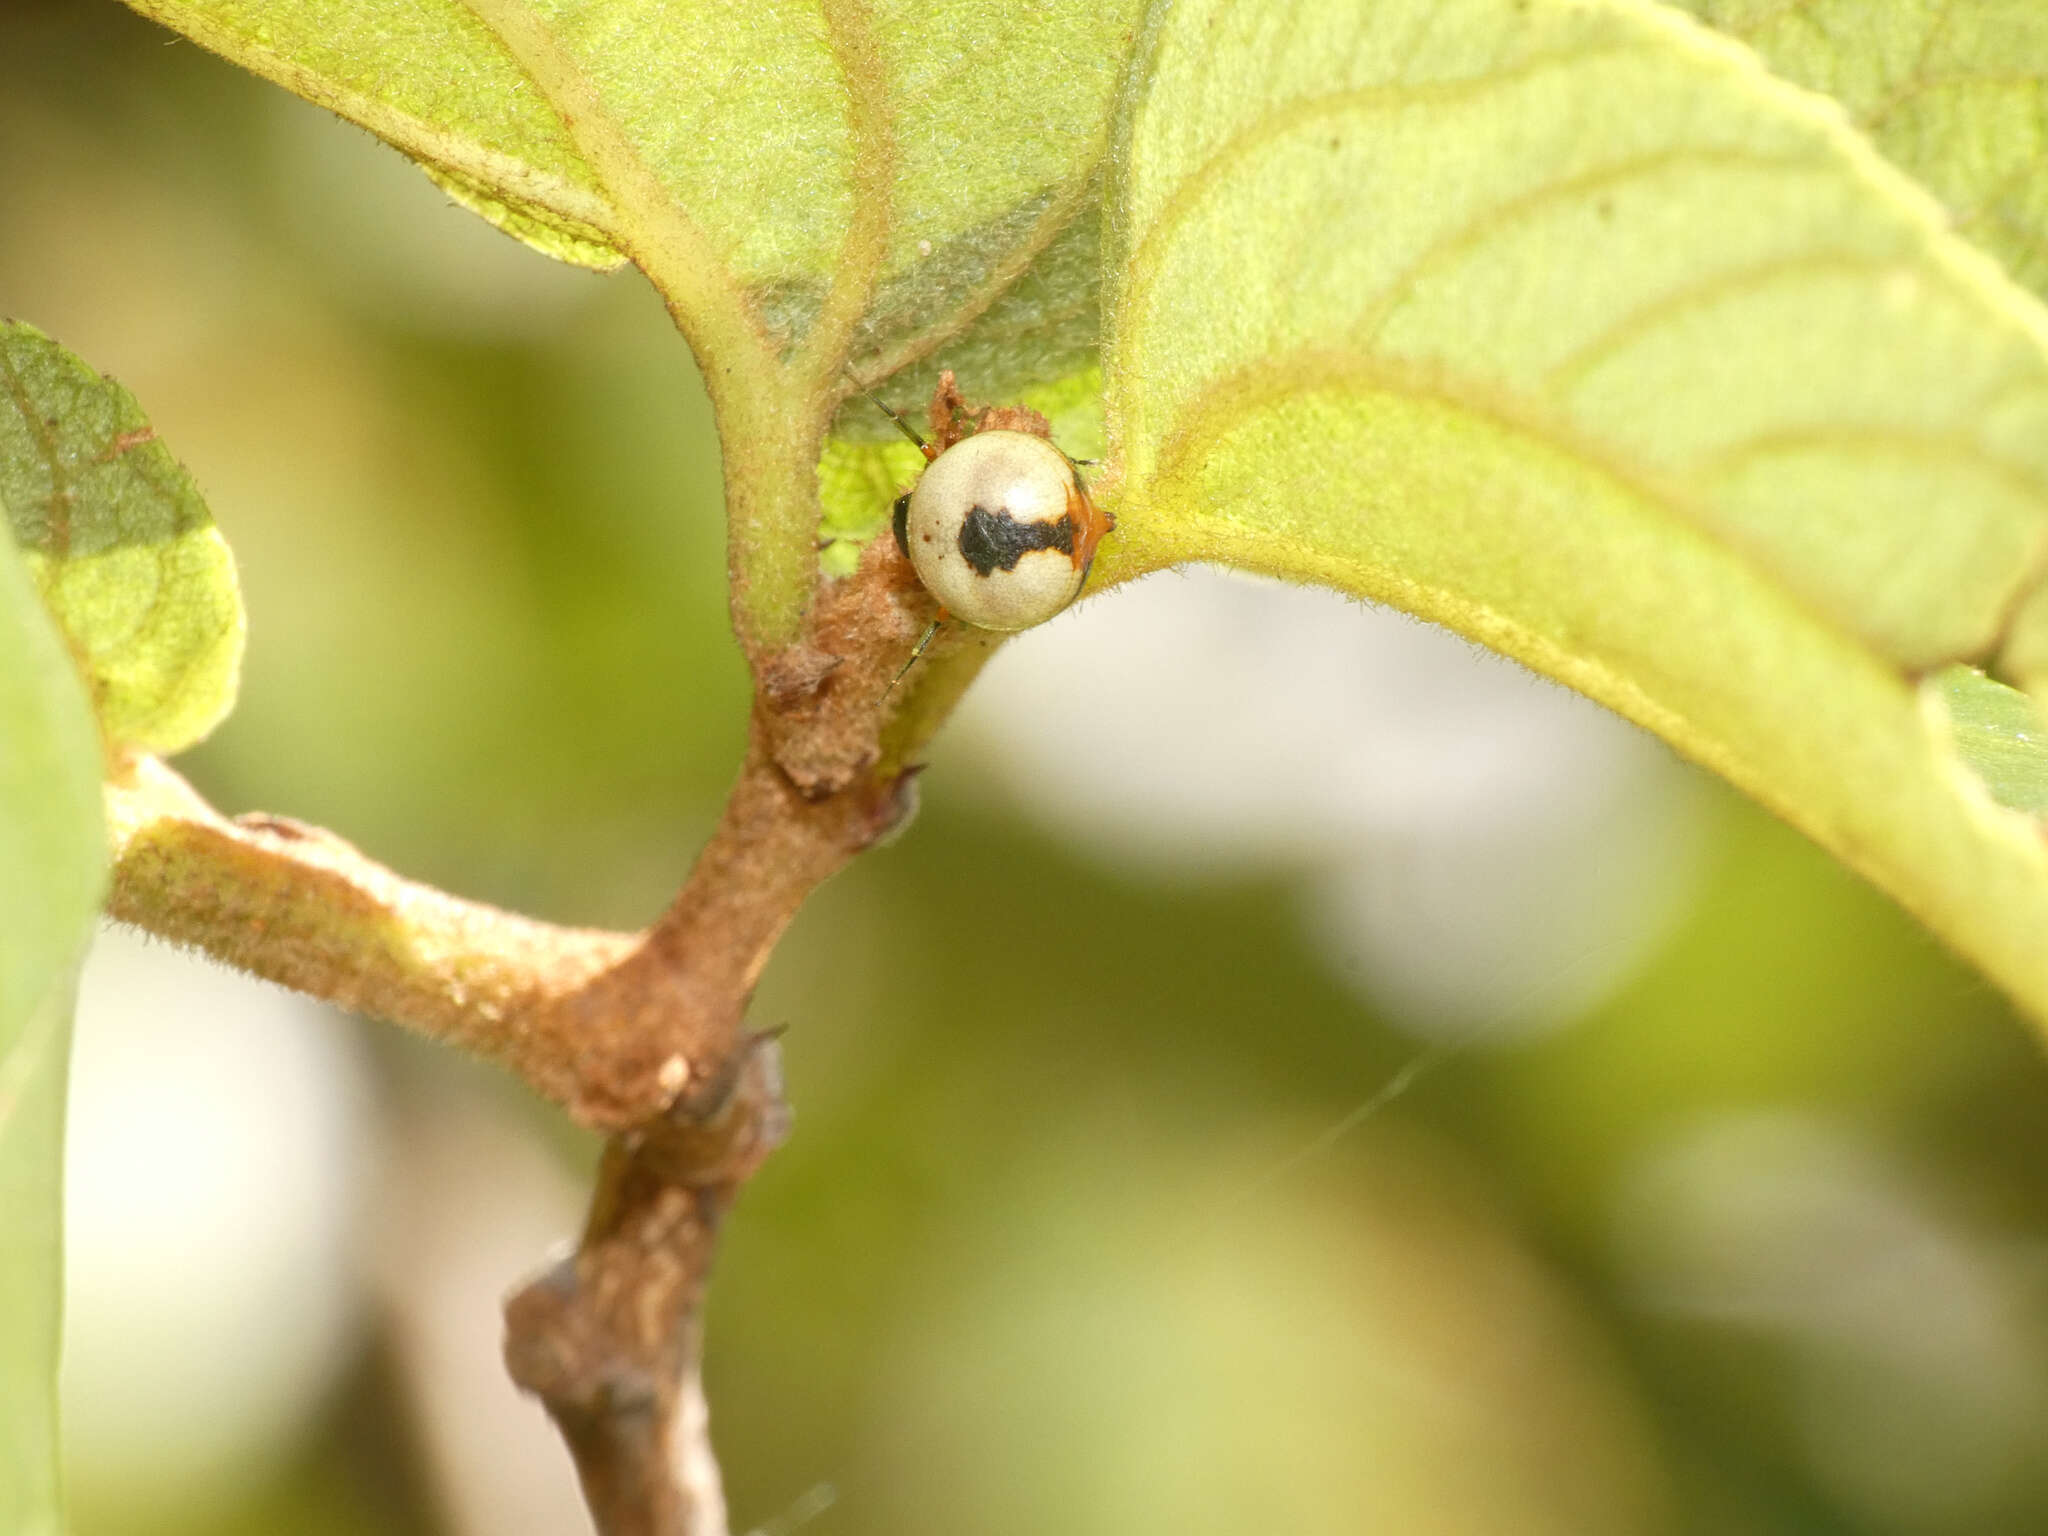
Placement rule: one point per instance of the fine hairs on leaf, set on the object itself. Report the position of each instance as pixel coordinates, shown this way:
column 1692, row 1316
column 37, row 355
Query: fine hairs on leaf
column 1951, row 94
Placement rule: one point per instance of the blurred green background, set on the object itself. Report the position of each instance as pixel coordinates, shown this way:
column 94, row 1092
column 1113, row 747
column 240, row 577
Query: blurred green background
column 1212, row 1222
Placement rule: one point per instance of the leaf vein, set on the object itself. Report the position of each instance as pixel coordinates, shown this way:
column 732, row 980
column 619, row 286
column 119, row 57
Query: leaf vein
column 667, row 244
column 18, row 1066
column 1639, row 322
column 1888, row 437
column 1392, row 96
column 849, row 25
column 1913, row 89
column 1492, row 220
column 1209, row 415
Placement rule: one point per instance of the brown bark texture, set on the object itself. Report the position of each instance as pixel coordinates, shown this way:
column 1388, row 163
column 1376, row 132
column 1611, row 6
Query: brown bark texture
column 639, row 1036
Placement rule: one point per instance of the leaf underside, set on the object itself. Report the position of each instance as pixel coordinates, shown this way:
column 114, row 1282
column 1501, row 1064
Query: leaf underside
column 823, row 190
column 1558, row 321
column 1568, row 326
column 1562, row 322
column 1953, row 92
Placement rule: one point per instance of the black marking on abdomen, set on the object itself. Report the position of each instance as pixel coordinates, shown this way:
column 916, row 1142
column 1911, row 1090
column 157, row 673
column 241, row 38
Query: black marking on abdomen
column 991, row 539
column 900, row 521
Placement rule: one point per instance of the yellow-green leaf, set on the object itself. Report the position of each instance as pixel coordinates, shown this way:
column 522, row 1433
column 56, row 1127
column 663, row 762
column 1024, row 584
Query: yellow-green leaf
column 52, row 857
column 1567, row 325
column 1999, row 734
column 1045, row 327
column 933, row 148
column 817, row 187
column 127, row 557
column 1955, row 92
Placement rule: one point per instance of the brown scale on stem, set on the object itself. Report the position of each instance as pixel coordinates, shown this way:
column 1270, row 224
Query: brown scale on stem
column 952, row 419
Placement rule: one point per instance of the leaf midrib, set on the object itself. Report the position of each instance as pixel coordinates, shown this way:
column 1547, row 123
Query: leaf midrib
column 849, row 29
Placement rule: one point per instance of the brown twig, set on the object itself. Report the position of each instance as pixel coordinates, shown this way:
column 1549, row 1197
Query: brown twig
column 303, row 908
column 613, row 1027
column 637, row 1035
column 609, row 1338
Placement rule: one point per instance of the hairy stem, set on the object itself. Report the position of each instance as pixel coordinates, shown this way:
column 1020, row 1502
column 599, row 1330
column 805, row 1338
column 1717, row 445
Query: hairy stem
column 299, row 906
column 610, row 1026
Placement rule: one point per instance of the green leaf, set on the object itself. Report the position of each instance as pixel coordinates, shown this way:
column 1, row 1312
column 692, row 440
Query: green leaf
column 1999, row 735
column 812, row 185
column 939, row 146
column 52, row 857
column 1955, row 92
column 1045, row 327
column 122, row 546
column 1568, row 326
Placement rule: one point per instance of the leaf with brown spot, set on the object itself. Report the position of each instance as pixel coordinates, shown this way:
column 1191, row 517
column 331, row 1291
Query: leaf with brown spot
column 122, row 546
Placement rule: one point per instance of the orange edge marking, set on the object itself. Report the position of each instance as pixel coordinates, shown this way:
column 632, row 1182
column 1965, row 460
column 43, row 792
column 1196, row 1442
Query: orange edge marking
column 1090, row 522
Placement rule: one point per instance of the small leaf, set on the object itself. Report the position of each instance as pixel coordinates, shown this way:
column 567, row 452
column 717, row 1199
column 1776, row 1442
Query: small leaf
column 122, row 546
column 1955, row 92
column 52, row 858
column 858, row 484
column 1566, row 325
